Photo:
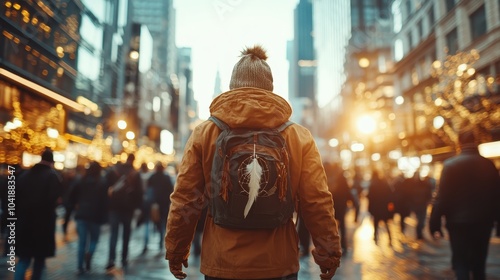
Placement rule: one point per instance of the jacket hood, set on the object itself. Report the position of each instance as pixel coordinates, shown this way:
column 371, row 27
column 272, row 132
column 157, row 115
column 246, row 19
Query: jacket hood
column 251, row 107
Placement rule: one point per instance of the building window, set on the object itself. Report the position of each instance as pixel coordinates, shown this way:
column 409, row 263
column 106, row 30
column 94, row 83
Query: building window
column 420, row 30
column 450, row 4
column 452, row 41
column 478, row 23
column 409, row 7
column 432, row 18
column 410, row 41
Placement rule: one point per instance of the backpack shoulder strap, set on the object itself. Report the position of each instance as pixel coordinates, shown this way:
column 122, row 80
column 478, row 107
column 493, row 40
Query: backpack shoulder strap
column 284, row 126
column 222, row 125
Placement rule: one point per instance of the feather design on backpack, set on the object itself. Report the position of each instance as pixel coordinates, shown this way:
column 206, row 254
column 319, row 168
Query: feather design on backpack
column 254, row 170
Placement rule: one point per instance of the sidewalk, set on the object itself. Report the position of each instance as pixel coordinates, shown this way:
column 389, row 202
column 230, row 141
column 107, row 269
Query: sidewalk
column 404, row 258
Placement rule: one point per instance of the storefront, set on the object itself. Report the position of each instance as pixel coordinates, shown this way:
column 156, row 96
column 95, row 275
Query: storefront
column 31, row 118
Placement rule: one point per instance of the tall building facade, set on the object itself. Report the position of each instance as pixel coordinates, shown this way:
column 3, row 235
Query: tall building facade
column 429, row 35
column 361, row 87
column 188, row 106
column 159, row 17
column 303, row 66
column 161, row 83
column 52, row 72
column 331, row 38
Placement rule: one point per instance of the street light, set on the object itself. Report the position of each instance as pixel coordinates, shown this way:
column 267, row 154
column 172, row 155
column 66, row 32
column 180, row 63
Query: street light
column 122, row 124
column 366, row 124
column 130, row 135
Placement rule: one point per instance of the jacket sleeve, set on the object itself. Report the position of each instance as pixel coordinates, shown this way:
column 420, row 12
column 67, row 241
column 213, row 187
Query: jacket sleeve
column 315, row 202
column 187, row 201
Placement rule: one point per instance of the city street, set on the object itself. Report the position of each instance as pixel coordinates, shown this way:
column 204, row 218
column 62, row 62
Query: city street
column 405, row 258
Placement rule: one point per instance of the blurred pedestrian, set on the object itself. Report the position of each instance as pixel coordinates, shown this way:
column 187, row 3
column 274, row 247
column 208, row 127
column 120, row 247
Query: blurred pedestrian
column 421, row 193
column 145, row 216
column 358, row 190
column 238, row 253
column 342, row 196
column 468, row 198
column 37, row 193
column 402, row 199
column 7, row 182
column 68, row 181
column 89, row 198
column 380, row 203
column 160, row 188
column 125, row 196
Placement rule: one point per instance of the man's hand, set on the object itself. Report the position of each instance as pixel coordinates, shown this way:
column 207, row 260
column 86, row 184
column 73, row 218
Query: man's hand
column 327, row 264
column 327, row 273
column 176, row 269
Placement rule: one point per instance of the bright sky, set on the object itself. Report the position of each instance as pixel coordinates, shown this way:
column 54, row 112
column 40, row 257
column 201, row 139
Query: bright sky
column 218, row 30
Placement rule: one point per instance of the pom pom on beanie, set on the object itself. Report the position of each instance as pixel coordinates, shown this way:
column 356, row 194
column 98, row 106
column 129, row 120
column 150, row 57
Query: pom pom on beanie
column 252, row 70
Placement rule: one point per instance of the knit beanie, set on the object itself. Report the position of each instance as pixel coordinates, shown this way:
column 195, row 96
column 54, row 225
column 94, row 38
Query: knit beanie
column 252, row 70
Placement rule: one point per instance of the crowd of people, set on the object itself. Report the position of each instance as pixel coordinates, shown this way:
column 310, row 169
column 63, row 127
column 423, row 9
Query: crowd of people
column 91, row 196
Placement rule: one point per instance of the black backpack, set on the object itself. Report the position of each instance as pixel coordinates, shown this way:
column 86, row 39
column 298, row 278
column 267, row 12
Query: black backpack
column 237, row 152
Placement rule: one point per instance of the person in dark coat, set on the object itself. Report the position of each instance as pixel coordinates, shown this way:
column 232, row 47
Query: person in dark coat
column 162, row 187
column 402, row 199
column 380, row 202
column 468, row 195
column 341, row 195
column 37, row 193
column 68, row 181
column 357, row 189
column 421, row 194
column 7, row 183
column 89, row 199
column 125, row 196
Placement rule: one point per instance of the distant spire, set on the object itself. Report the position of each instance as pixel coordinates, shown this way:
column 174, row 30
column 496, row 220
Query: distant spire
column 217, row 87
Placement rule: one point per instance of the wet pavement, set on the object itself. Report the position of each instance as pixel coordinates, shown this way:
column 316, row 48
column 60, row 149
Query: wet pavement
column 402, row 258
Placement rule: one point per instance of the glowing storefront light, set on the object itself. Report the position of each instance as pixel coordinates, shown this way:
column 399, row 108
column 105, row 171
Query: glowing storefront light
column 166, row 142
column 130, row 135
column 357, row 147
column 490, row 150
column 333, row 142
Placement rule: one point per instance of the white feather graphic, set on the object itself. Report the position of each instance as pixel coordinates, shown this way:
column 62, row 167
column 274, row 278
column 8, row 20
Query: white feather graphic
column 254, row 170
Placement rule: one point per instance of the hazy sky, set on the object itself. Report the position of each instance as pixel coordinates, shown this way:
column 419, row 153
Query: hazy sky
column 217, row 31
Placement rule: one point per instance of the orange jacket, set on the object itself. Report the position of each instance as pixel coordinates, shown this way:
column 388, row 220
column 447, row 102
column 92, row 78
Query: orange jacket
column 244, row 254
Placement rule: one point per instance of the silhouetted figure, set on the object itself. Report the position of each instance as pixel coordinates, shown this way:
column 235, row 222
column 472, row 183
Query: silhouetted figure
column 89, row 199
column 421, row 196
column 402, row 199
column 161, row 188
column 37, row 192
column 125, row 196
column 468, row 197
column 145, row 217
column 68, row 182
column 341, row 194
column 8, row 182
column 357, row 189
column 380, row 198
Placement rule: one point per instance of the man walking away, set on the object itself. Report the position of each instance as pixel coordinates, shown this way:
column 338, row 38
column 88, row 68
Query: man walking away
column 125, row 196
column 275, row 161
column 38, row 191
column 468, row 195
